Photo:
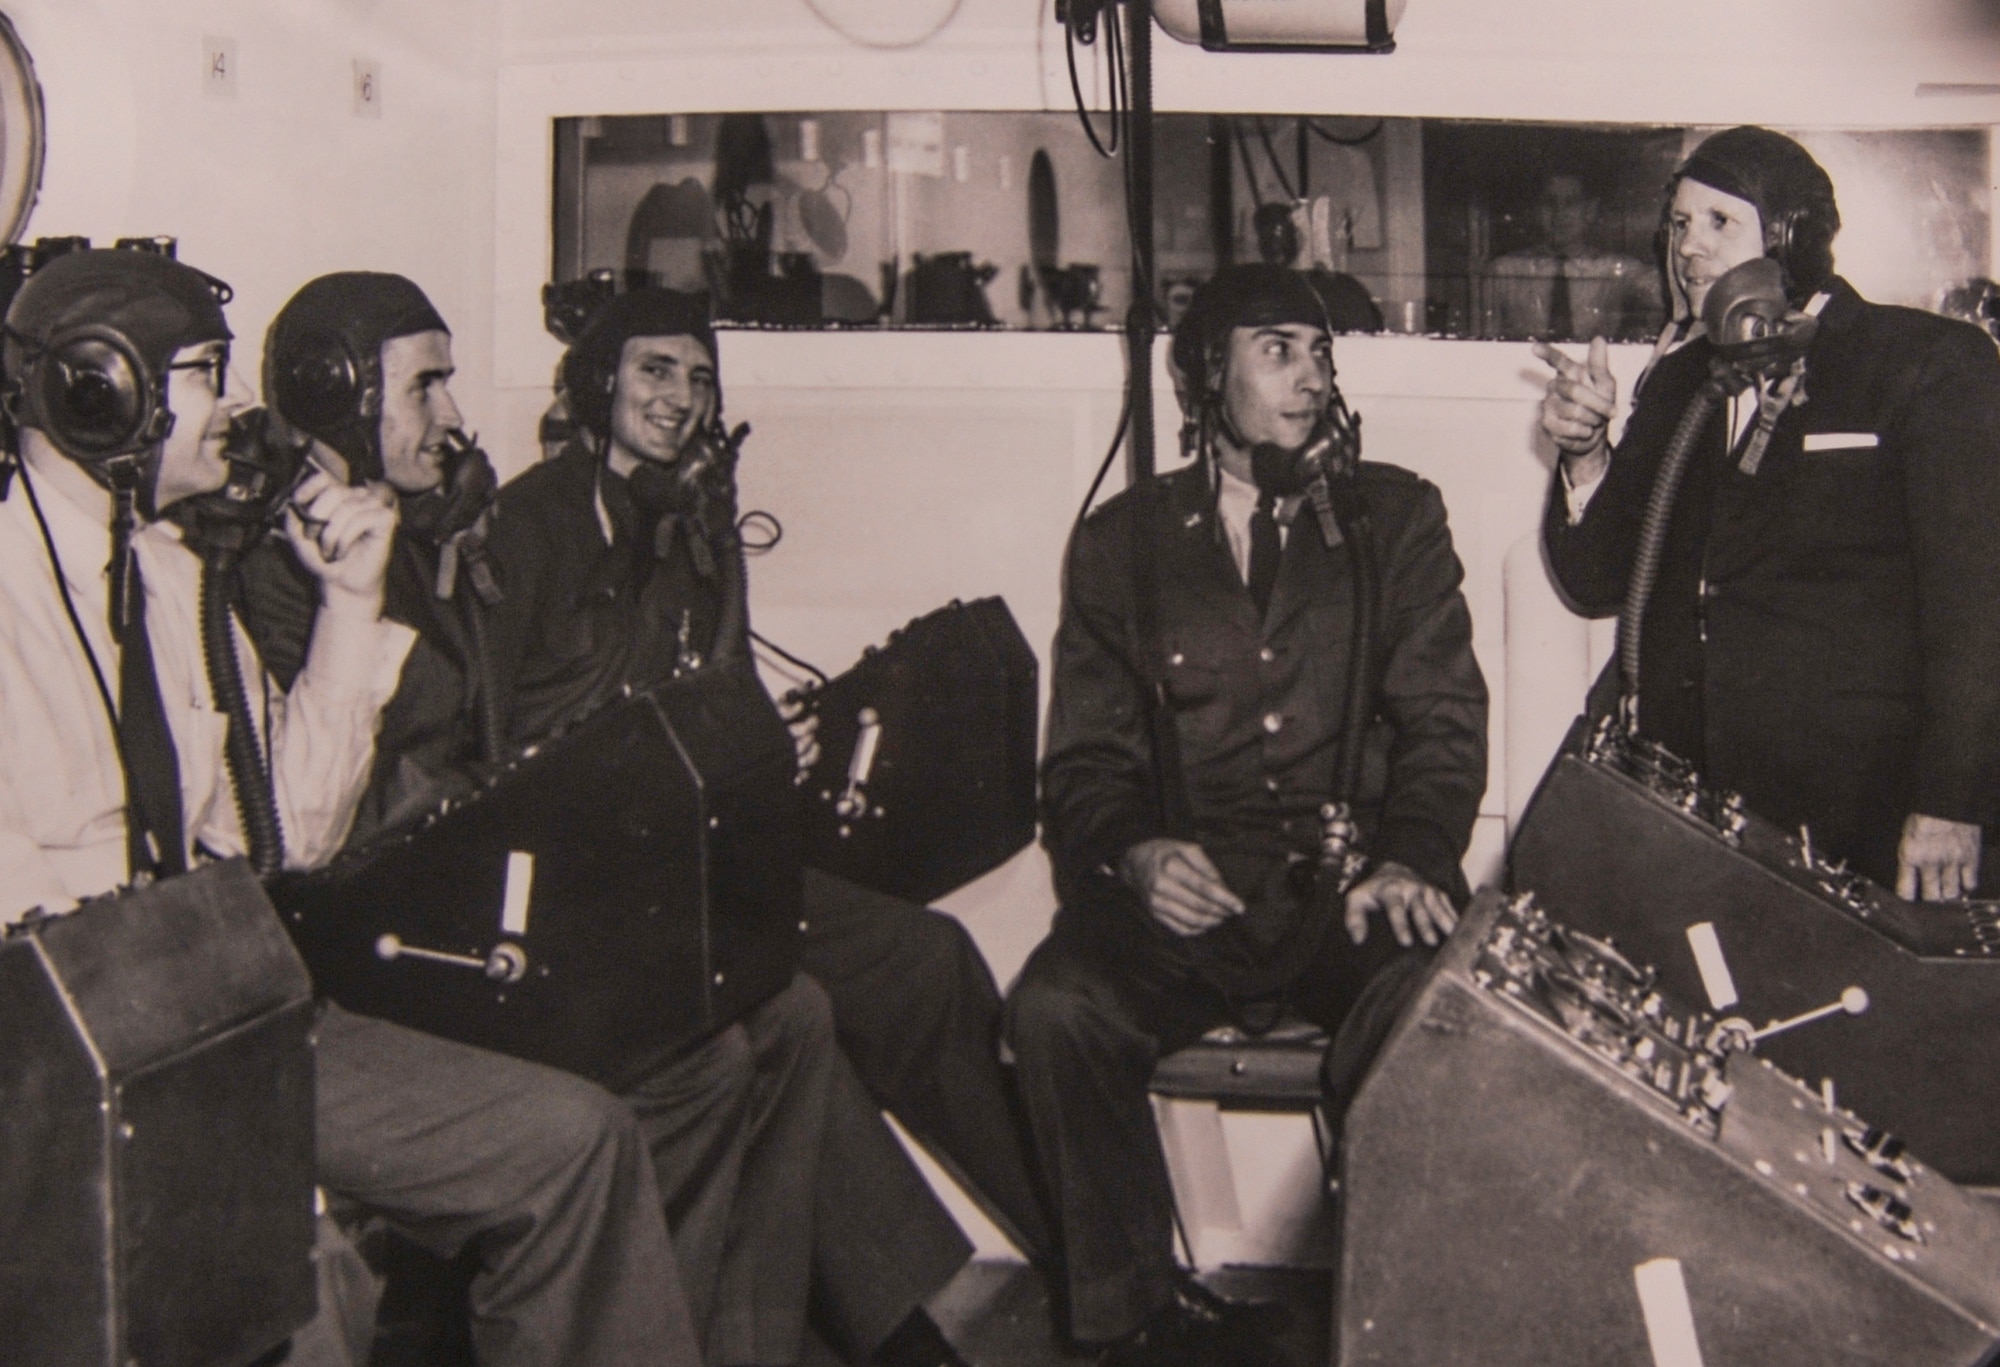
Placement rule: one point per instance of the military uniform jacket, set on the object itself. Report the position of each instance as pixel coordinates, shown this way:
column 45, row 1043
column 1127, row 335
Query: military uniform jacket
column 584, row 616
column 1257, row 705
column 1825, row 634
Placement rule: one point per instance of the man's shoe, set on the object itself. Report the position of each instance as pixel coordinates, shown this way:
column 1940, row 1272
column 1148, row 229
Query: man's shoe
column 1216, row 1333
column 1210, row 1306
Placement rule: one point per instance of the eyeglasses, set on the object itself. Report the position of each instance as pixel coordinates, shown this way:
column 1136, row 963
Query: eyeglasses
column 215, row 364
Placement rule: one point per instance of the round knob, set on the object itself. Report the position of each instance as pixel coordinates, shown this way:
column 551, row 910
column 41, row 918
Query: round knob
column 389, row 947
column 508, row 963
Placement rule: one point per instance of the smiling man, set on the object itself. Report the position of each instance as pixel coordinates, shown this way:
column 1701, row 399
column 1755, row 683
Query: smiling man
column 1198, row 722
column 1825, row 630
column 622, row 569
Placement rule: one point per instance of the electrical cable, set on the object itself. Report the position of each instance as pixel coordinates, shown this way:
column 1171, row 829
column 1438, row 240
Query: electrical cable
column 1104, row 466
column 876, row 45
column 1113, row 50
column 69, row 604
column 771, row 531
column 1249, row 167
column 819, row 675
column 1335, row 138
column 1277, row 167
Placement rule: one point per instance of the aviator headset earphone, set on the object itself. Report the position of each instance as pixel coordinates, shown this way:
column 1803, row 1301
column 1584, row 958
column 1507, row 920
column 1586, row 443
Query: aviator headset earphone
column 326, row 382
column 90, row 387
column 92, row 392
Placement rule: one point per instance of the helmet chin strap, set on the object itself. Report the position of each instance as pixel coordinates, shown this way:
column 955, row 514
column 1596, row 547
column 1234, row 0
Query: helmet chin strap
column 132, row 478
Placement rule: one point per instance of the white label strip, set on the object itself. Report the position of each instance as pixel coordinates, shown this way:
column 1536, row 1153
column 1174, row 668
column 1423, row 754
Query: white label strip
column 520, row 883
column 1714, row 968
column 1663, row 1296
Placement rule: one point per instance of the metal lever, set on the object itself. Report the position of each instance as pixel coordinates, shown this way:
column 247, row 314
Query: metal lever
column 1853, row 1001
column 507, row 963
column 853, row 800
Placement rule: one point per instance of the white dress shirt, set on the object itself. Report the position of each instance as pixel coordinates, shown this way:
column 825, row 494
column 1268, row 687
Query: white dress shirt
column 1235, row 502
column 62, row 792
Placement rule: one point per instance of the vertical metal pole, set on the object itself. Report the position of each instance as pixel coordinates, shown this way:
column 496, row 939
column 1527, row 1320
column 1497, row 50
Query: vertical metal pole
column 1140, row 319
column 1222, row 190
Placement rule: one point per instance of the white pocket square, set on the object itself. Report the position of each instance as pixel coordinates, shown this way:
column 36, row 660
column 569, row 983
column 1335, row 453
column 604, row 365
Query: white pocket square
column 1840, row 441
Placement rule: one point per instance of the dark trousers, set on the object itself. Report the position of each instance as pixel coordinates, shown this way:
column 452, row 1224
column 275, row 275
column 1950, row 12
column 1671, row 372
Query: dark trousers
column 917, row 1012
column 735, row 1127
column 540, row 1175
column 1087, row 1028
column 882, row 1245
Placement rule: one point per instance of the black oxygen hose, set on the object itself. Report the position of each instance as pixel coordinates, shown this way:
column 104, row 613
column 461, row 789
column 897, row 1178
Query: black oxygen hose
column 732, row 625
column 1653, row 532
column 256, row 800
column 492, row 722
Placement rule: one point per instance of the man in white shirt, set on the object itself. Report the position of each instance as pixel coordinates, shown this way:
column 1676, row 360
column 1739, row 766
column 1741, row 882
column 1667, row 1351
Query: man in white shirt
column 116, row 366
column 1561, row 286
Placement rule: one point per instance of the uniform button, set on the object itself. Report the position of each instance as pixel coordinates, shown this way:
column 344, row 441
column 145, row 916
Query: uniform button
column 1270, row 783
column 1273, row 722
column 1177, row 659
column 1267, row 654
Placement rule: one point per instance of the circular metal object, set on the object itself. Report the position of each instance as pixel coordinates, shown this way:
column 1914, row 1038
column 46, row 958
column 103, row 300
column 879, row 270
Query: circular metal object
column 22, row 133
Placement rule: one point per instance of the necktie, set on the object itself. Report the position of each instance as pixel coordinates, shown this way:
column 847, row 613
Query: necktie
column 1561, row 323
column 154, row 839
column 1264, row 550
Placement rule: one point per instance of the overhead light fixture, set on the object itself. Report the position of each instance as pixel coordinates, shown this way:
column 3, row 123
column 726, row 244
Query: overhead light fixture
column 1283, row 25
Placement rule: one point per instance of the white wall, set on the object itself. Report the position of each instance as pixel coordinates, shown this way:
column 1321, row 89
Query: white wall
column 283, row 181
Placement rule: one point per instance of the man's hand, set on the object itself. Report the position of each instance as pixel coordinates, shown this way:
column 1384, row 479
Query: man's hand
column 342, row 534
column 805, row 731
column 1180, row 886
column 1577, row 409
column 1938, row 858
column 1412, row 905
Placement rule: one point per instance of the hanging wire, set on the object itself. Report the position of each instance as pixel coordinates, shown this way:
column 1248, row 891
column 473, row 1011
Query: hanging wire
column 1110, row 454
column 900, row 45
column 759, row 531
column 806, row 666
column 1277, row 166
column 1256, row 188
column 1335, row 138
column 1114, row 52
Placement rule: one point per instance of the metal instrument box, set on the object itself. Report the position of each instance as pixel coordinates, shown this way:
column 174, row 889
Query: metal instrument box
column 1554, row 1162
column 156, row 1130
column 610, row 896
column 1624, row 841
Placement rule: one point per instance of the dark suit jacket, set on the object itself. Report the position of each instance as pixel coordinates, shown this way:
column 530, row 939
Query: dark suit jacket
column 1825, row 634
column 1257, row 705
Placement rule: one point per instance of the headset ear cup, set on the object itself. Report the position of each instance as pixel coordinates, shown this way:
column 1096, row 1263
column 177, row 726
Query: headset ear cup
column 1801, row 240
column 320, row 385
column 90, row 391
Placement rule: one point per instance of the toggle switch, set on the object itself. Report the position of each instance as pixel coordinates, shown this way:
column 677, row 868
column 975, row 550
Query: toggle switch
column 1881, row 1151
column 853, row 800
